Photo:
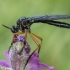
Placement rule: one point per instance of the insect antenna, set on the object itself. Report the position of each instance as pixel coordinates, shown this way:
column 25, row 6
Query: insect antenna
column 6, row 26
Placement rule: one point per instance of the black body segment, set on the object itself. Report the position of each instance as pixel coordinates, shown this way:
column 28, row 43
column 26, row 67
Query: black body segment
column 23, row 25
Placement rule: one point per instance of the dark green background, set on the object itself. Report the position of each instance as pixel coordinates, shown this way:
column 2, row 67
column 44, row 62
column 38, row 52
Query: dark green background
column 55, row 49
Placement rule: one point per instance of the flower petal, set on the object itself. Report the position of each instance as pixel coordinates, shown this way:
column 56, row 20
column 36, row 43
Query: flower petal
column 6, row 55
column 42, row 65
column 4, row 63
column 35, row 64
column 51, row 68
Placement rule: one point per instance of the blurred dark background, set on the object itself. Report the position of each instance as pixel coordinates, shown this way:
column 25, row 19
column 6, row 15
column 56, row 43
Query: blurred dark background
column 55, row 49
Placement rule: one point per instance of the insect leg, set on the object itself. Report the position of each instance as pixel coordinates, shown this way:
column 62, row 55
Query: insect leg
column 36, row 42
column 25, row 35
column 39, row 39
column 30, row 56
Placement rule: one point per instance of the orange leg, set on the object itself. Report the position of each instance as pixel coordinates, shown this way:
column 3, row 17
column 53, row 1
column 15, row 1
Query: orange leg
column 35, row 40
column 25, row 35
column 37, row 43
column 39, row 39
column 38, row 48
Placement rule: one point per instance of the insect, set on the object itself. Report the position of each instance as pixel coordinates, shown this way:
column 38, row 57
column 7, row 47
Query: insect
column 23, row 25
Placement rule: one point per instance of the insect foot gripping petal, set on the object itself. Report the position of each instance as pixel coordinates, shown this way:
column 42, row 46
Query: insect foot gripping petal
column 19, row 53
column 35, row 64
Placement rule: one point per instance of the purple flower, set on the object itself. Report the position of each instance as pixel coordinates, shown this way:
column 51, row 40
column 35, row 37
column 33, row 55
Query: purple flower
column 18, row 55
column 35, row 64
column 5, row 63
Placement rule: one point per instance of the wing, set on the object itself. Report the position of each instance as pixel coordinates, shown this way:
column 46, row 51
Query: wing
column 58, row 23
column 50, row 20
column 48, row 17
